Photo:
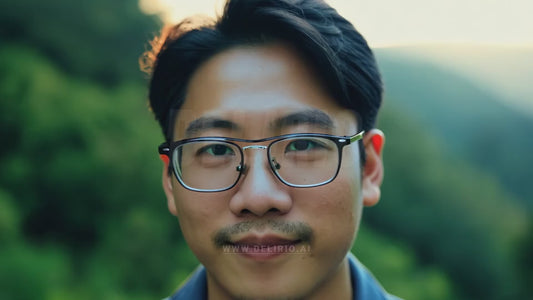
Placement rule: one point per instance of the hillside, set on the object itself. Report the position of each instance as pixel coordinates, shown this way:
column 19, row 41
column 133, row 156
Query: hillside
column 503, row 70
column 475, row 123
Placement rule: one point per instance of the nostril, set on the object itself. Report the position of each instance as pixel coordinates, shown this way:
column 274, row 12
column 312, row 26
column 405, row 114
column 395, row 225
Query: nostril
column 245, row 211
column 273, row 209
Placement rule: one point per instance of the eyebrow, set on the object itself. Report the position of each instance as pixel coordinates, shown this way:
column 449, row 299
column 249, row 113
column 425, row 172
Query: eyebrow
column 206, row 123
column 313, row 117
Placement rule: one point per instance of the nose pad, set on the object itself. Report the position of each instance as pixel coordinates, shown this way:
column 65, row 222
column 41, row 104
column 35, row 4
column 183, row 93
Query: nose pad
column 275, row 164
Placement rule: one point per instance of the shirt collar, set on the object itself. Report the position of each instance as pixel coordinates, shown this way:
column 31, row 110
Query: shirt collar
column 364, row 285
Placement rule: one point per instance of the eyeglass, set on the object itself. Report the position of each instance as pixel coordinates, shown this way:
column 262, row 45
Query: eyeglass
column 215, row 164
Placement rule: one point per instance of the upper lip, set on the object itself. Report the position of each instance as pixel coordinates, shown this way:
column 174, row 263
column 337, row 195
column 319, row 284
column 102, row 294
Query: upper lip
column 264, row 240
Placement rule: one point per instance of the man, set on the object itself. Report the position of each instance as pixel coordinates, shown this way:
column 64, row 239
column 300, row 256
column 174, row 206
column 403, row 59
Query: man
column 271, row 150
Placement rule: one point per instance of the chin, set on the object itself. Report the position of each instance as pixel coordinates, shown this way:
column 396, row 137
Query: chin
column 268, row 293
column 283, row 287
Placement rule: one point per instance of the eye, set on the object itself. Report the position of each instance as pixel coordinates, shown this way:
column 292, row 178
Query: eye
column 303, row 145
column 216, row 150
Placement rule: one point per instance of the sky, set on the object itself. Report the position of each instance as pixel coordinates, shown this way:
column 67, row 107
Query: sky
column 386, row 23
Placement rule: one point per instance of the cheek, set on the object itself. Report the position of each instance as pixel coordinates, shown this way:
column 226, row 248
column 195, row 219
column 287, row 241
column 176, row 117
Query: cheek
column 335, row 201
column 194, row 209
column 333, row 211
column 345, row 213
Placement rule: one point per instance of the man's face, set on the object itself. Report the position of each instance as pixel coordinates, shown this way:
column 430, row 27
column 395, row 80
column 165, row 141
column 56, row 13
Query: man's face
column 251, row 88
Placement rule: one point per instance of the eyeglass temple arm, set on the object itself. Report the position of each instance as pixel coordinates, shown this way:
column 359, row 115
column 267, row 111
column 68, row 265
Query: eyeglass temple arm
column 164, row 149
column 164, row 153
column 357, row 137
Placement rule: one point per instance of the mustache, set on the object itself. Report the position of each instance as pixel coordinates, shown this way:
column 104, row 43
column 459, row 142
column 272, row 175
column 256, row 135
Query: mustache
column 297, row 230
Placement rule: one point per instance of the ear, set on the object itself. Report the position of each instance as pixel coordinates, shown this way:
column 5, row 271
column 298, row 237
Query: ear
column 167, row 187
column 373, row 141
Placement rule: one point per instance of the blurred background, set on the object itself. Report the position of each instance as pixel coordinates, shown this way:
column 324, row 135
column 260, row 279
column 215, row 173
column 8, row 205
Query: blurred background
column 82, row 213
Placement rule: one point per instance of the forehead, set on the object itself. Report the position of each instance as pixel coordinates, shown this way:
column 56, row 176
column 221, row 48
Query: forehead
column 253, row 85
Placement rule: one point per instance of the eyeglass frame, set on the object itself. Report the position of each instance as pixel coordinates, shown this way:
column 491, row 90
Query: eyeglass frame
column 167, row 149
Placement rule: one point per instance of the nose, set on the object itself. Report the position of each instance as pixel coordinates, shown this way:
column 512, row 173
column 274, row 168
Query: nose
column 260, row 192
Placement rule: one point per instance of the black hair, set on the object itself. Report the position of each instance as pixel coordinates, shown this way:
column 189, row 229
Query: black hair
column 339, row 54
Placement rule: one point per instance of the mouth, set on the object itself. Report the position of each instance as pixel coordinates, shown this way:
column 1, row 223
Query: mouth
column 263, row 247
column 262, row 240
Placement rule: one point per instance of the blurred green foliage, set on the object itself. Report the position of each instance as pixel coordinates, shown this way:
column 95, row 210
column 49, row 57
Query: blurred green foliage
column 82, row 214
column 449, row 212
column 92, row 39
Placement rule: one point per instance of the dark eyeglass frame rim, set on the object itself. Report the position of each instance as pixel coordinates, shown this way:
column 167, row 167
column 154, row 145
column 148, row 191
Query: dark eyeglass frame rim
column 167, row 149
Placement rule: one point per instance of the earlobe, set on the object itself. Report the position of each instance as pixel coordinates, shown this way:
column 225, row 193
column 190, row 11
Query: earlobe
column 167, row 188
column 373, row 170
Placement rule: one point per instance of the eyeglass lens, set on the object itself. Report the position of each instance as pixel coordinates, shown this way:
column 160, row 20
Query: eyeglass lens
column 215, row 165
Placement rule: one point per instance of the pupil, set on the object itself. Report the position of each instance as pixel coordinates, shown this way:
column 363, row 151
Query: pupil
column 301, row 145
column 219, row 149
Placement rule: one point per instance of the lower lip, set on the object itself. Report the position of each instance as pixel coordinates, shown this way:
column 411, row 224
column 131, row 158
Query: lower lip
column 265, row 252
